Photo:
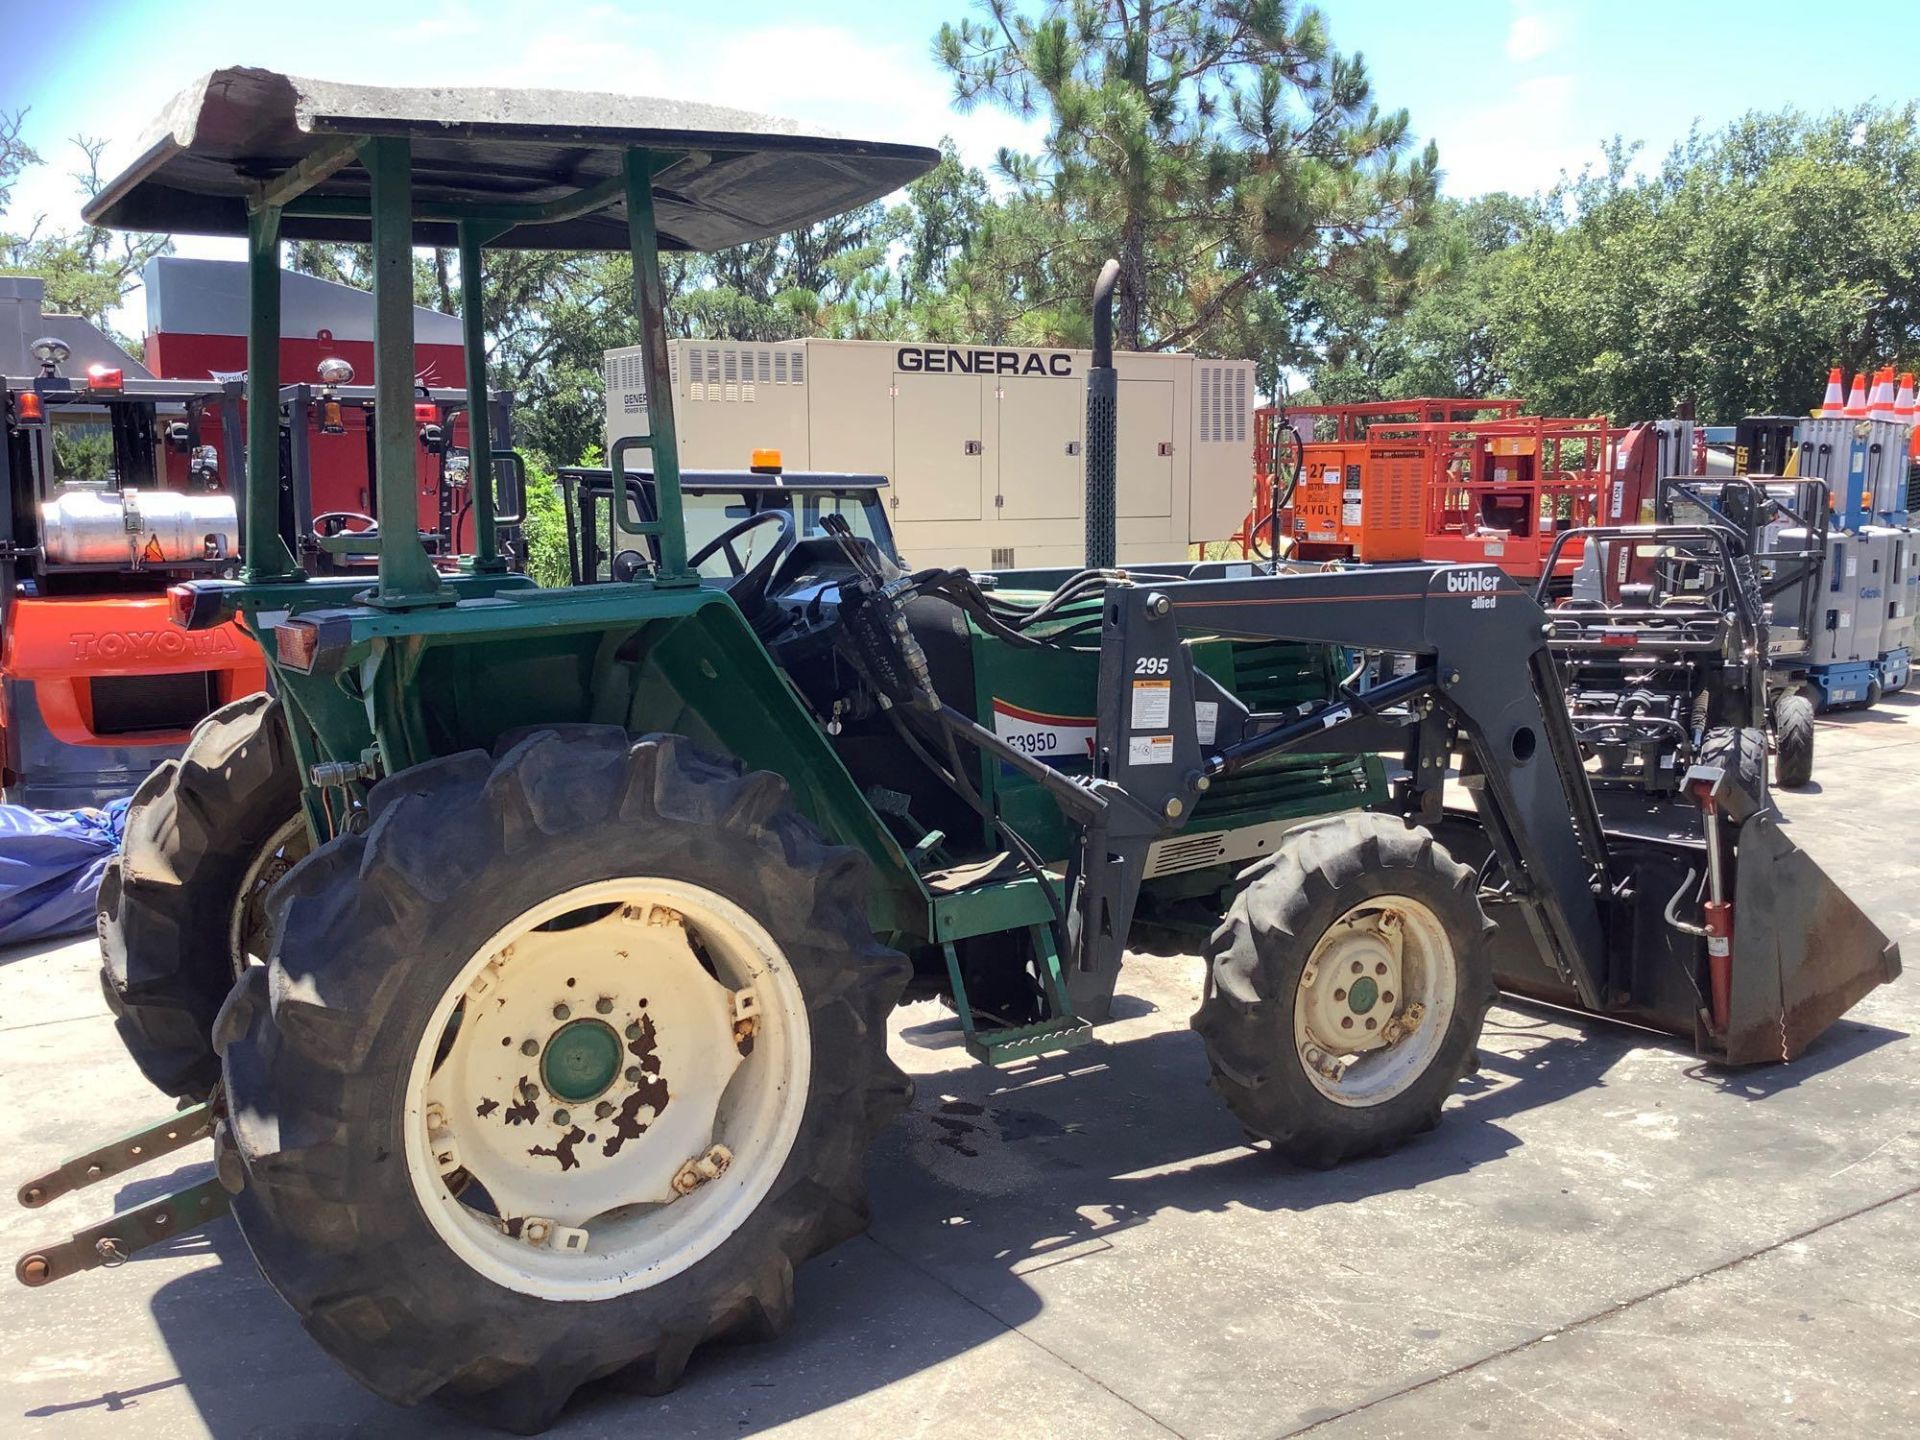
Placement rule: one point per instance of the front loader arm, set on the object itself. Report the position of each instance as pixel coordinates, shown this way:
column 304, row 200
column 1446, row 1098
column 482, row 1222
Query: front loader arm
column 1481, row 668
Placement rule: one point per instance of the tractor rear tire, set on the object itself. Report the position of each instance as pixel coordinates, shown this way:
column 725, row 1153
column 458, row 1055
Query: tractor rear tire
column 1793, row 740
column 1302, row 975
column 197, row 833
column 416, row 1276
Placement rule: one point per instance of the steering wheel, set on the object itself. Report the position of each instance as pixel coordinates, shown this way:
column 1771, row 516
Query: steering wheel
column 343, row 522
column 345, row 533
column 749, row 585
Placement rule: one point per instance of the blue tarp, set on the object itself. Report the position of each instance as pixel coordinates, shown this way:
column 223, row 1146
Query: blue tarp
column 51, row 862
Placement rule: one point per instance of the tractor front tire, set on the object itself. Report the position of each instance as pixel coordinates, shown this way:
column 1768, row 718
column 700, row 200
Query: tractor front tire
column 1793, row 740
column 558, row 1071
column 202, row 832
column 1347, row 987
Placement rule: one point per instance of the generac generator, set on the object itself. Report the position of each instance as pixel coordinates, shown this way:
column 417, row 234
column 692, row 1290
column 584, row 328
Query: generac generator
column 984, row 446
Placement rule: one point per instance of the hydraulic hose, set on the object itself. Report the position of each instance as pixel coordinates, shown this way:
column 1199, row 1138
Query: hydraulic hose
column 1279, row 500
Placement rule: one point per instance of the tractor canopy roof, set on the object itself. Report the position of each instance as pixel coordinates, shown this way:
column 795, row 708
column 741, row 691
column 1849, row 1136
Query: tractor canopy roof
column 547, row 162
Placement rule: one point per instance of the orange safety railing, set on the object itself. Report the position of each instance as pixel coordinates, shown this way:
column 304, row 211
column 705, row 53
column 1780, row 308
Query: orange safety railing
column 1355, row 422
column 1501, row 491
column 1342, row 424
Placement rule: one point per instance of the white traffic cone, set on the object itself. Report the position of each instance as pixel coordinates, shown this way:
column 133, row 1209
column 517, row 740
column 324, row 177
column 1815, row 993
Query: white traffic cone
column 1836, row 398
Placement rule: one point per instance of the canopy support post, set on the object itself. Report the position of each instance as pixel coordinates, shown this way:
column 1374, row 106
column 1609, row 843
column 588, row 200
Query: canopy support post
column 473, row 327
column 649, row 303
column 264, row 554
column 407, row 576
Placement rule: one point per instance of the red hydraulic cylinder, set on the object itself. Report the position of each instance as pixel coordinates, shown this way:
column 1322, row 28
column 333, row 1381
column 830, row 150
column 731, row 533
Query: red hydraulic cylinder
column 1718, row 915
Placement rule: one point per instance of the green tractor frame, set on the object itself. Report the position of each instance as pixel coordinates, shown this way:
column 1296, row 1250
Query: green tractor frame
column 528, row 954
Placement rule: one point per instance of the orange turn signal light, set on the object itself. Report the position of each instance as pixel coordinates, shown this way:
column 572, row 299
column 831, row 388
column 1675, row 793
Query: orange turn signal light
column 28, row 410
column 295, row 643
column 766, row 462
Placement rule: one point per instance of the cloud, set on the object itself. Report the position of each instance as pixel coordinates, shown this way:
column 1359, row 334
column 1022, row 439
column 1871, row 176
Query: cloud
column 1532, row 33
column 1520, row 140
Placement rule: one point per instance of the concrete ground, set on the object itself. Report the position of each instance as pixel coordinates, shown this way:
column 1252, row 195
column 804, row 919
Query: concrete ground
column 1605, row 1237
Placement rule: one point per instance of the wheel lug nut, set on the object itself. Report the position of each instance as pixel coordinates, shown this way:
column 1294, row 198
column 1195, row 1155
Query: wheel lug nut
column 1370, row 1024
column 1339, row 994
column 603, row 1005
column 561, row 1012
column 1387, row 996
column 1346, row 1022
column 633, row 1074
column 633, row 1031
column 603, row 1109
column 562, row 1117
column 529, row 1047
column 1380, row 968
column 1357, row 967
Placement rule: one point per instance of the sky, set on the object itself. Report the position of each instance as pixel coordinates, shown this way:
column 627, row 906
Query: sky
column 1514, row 91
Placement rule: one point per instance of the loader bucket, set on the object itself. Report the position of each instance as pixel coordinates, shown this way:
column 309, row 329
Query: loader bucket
column 1803, row 953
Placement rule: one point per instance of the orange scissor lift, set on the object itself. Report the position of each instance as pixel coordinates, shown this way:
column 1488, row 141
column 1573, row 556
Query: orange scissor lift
column 1428, row 479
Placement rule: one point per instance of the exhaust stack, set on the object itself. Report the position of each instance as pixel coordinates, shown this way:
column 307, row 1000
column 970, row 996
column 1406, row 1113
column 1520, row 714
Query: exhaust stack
column 1102, row 401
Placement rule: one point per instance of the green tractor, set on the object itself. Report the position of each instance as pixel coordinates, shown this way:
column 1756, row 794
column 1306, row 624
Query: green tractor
column 528, row 955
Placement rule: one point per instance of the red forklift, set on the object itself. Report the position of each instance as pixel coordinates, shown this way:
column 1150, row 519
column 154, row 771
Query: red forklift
column 117, row 486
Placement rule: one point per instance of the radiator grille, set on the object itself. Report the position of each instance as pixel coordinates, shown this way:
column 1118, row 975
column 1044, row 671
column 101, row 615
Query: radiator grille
column 1190, row 852
column 1397, row 479
column 1222, row 401
column 627, row 383
column 735, row 372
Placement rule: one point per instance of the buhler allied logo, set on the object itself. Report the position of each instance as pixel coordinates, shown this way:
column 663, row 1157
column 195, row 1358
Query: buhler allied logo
column 168, row 644
column 1472, row 582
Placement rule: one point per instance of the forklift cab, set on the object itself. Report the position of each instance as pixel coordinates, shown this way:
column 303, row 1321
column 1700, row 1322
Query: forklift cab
column 329, row 503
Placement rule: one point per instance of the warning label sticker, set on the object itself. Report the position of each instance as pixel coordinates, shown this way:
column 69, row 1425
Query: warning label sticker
column 1150, row 750
column 1152, row 704
column 1043, row 736
column 1206, row 720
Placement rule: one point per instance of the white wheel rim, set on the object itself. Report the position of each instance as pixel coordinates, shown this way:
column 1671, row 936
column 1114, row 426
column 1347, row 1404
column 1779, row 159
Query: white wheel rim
column 599, row 1194
column 1375, row 1001
column 283, row 849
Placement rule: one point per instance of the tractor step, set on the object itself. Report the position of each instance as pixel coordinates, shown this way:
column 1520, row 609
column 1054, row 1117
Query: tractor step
column 1062, row 1029
column 1001, row 1047
column 114, row 1240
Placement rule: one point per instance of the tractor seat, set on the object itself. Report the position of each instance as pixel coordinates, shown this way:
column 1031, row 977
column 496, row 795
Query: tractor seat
column 989, row 870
